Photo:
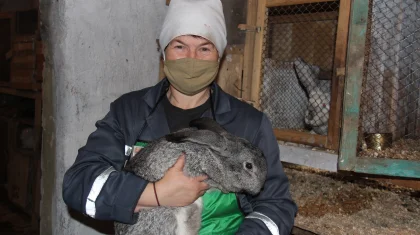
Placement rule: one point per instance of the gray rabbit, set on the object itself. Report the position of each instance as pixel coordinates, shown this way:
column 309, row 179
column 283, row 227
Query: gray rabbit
column 232, row 164
column 319, row 92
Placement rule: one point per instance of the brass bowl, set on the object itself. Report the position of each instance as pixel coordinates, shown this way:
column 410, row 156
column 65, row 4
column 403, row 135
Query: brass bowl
column 378, row 141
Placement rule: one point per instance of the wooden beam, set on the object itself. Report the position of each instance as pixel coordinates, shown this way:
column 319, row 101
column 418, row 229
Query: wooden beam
column 258, row 54
column 251, row 19
column 390, row 167
column 337, row 83
column 230, row 73
column 11, row 91
column 6, row 15
column 301, row 137
column 277, row 3
column 353, row 84
column 36, row 161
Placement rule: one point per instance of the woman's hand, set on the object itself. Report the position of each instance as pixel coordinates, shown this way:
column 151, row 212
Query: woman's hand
column 174, row 189
column 177, row 189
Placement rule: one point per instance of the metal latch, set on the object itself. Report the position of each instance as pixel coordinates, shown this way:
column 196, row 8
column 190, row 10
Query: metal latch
column 249, row 28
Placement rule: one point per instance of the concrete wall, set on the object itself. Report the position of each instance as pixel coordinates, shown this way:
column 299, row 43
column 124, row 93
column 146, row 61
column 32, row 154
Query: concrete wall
column 95, row 50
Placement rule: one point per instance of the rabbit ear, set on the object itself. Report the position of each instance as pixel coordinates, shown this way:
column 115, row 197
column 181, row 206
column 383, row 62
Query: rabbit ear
column 206, row 123
column 203, row 137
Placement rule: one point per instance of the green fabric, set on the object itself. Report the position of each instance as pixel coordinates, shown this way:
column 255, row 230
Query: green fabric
column 141, row 144
column 221, row 214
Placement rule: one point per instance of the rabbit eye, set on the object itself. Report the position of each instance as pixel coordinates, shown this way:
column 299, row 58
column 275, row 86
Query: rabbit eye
column 248, row 165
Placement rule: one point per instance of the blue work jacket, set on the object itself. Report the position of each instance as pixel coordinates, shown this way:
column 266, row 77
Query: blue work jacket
column 96, row 184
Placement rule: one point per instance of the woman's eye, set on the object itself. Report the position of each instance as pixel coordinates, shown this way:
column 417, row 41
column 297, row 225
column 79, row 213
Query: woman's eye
column 178, row 47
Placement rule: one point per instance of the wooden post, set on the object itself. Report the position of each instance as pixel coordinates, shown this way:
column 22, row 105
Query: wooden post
column 337, row 84
column 353, row 85
column 251, row 20
column 258, row 54
column 36, row 197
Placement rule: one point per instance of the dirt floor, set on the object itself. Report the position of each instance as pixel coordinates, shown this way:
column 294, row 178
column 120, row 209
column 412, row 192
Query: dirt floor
column 335, row 204
column 328, row 204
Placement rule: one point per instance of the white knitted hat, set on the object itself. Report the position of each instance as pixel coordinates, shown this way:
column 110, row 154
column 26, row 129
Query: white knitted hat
column 195, row 17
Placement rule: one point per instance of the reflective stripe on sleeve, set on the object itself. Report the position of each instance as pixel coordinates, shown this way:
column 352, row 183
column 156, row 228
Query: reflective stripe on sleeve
column 266, row 220
column 95, row 190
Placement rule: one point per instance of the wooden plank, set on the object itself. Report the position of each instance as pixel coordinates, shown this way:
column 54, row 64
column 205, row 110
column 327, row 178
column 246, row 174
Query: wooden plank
column 24, row 59
column 36, row 192
column 39, row 48
column 39, row 58
column 310, row 17
column 26, row 86
column 276, row 3
column 258, row 54
column 301, row 137
column 249, row 50
column 20, row 54
column 405, row 183
column 23, row 46
column 22, row 76
column 24, row 38
column 22, row 66
column 353, row 84
column 391, row 167
column 337, row 83
column 28, row 73
column 38, row 73
column 6, row 15
column 230, row 73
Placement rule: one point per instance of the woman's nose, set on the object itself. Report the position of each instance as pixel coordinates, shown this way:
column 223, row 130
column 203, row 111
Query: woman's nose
column 191, row 54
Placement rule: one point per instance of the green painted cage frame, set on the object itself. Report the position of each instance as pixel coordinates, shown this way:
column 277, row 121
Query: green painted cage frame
column 348, row 160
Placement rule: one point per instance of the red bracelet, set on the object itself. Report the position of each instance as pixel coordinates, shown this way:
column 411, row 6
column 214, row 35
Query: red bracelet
column 154, row 188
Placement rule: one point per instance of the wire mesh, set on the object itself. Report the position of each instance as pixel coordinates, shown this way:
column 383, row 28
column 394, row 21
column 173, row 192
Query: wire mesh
column 390, row 101
column 298, row 56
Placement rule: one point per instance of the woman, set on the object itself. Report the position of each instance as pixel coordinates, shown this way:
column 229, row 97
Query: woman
column 194, row 38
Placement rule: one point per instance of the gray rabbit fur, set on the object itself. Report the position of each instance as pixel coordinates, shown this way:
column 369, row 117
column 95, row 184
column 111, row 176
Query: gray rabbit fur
column 319, row 91
column 232, row 164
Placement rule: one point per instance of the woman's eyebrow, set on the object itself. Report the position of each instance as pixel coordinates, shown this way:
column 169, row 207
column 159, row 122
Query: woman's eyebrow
column 206, row 43
column 178, row 41
column 183, row 43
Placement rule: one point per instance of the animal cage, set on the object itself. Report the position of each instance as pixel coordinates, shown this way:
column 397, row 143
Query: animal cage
column 300, row 53
column 382, row 96
column 341, row 75
column 390, row 101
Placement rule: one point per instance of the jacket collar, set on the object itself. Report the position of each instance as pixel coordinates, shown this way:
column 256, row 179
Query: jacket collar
column 220, row 98
column 157, row 119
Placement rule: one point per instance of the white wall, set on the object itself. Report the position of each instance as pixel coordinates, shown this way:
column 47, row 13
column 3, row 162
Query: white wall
column 95, row 51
